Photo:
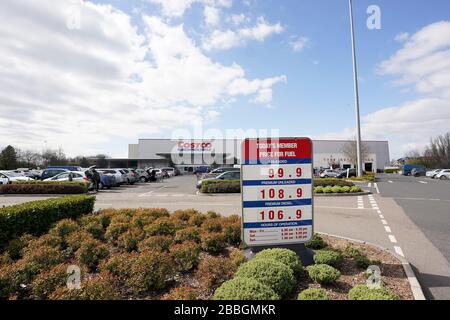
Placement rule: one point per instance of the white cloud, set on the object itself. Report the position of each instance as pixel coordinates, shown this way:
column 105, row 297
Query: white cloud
column 177, row 8
column 238, row 19
column 423, row 63
column 299, row 43
column 402, row 37
column 224, row 40
column 212, row 16
column 81, row 89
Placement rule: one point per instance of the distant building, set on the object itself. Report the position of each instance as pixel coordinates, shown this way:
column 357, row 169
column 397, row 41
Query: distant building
column 189, row 154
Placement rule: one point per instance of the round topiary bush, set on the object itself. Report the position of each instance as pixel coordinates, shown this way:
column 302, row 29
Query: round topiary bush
column 274, row 274
column 188, row 234
column 336, row 189
column 328, row 189
column 160, row 243
column 184, row 293
column 323, row 273
column 288, row 257
column 213, row 242
column 185, row 255
column 330, row 257
column 346, row 189
column 313, row 294
column 245, row 289
column 355, row 189
column 363, row 292
column 161, row 227
column 91, row 252
column 316, row 242
column 318, row 189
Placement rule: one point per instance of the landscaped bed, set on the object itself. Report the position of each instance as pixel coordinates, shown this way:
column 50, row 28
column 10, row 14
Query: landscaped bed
column 151, row 254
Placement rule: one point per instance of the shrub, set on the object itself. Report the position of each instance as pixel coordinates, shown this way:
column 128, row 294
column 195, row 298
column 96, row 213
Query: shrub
column 237, row 257
column 313, row 294
column 15, row 247
column 278, row 276
column 188, row 234
column 119, row 265
column 346, row 189
column 358, row 256
column 150, row 271
column 159, row 243
column 161, row 227
column 245, row 289
column 184, row 215
column 221, row 186
column 355, row 189
column 318, row 189
column 102, row 287
column 330, row 257
column 391, row 170
column 213, row 242
column 285, row 256
column 93, row 225
column 363, row 292
column 91, row 252
column 47, row 282
column 75, row 239
column 325, row 182
column 185, row 256
column 44, row 188
column 323, row 273
column 37, row 217
column 213, row 271
column 328, row 189
column 316, row 242
column 181, row 293
column 115, row 229
column 363, row 262
column 232, row 229
column 336, row 189
column 64, row 227
column 197, row 220
column 212, row 225
column 129, row 240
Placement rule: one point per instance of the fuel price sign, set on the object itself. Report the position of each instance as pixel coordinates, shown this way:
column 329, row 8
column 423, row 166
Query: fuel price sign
column 277, row 191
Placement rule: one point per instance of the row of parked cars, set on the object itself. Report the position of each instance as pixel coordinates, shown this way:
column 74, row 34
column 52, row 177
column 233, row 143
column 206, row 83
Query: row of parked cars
column 442, row 174
column 335, row 173
column 108, row 177
column 222, row 173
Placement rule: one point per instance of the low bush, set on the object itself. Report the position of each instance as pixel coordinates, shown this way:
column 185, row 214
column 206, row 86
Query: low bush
column 47, row 282
column 37, row 217
column 213, row 271
column 188, row 234
column 212, row 225
column 323, row 273
column 355, row 189
column 316, row 242
column 232, row 228
column 130, row 239
column 276, row 275
column 285, row 256
column 184, row 293
column 150, row 271
column 364, row 178
column 330, row 182
column 159, row 243
column 358, row 256
column 91, row 252
column 44, row 188
column 15, row 246
column 245, row 289
column 330, row 257
column 219, row 186
column 161, row 227
column 318, row 189
column 313, row 294
column 64, row 228
column 346, row 189
column 328, row 189
column 391, row 170
column 363, row 292
column 186, row 255
column 213, row 242
column 336, row 189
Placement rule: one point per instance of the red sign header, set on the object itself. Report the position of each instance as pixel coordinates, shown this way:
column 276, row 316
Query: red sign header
column 272, row 148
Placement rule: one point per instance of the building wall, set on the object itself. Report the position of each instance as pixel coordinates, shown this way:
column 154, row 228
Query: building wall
column 156, row 152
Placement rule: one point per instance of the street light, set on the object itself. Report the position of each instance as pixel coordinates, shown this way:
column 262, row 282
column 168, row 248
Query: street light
column 355, row 78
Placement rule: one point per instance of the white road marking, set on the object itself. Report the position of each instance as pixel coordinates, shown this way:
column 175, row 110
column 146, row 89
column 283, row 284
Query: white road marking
column 384, row 222
column 379, row 211
column 391, row 181
column 381, row 216
column 424, row 182
column 392, row 238
column 151, row 192
column 369, row 185
column 376, row 187
column 399, row 251
column 388, row 229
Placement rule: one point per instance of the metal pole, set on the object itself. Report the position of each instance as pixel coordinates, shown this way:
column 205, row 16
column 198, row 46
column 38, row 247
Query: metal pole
column 355, row 77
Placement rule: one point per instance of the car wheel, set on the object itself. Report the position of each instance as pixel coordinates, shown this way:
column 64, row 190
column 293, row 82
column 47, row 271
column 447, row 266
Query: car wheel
column 443, row 178
column 143, row 179
column 101, row 186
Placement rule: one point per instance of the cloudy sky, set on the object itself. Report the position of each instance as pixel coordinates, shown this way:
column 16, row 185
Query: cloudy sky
column 93, row 76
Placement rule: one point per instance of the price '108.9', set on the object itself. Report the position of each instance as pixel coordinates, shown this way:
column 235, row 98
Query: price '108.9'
column 278, row 215
column 279, row 194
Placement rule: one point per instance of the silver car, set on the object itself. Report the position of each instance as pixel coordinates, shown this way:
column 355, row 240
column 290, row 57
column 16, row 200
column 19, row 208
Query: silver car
column 121, row 178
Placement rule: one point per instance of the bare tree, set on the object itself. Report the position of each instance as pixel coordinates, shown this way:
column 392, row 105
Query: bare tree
column 350, row 151
column 437, row 154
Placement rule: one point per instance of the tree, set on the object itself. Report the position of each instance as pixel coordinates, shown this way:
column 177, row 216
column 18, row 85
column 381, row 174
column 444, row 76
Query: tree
column 350, row 151
column 437, row 154
column 29, row 158
column 100, row 161
column 8, row 158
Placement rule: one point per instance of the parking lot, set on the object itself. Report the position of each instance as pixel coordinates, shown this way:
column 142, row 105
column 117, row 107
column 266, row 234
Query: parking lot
column 407, row 215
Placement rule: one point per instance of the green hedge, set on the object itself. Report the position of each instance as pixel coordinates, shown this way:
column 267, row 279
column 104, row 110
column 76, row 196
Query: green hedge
column 221, row 186
column 37, row 217
column 39, row 187
column 337, row 189
column 331, row 182
column 391, row 170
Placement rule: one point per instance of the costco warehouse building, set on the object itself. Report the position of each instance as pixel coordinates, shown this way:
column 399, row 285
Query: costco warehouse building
column 189, row 154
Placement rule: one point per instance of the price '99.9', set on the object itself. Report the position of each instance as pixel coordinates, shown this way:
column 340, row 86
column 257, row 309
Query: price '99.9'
column 280, row 173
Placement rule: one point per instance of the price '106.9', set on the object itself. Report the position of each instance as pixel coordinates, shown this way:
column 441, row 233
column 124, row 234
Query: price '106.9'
column 280, row 194
column 280, row 173
column 279, row 215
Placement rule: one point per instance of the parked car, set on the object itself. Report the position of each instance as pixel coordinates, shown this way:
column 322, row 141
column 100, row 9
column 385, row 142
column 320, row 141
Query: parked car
column 224, row 169
column 406, row 169
column 226, row 176
column 4, row 179
column 202, row 169
column 48, row 173
column 155, row 174
column 432, row 173
column 69, row 168
column 343, row 173
column 15, row 177
column 417, row 172
column 329, row 173
column 131, row 177
column 120, row 177
column 65, row 176
column 170, row 171
column 143, row 175
column 443, row 175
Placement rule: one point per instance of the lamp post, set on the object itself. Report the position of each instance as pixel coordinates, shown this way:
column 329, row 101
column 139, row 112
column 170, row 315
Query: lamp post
column 355, row 78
